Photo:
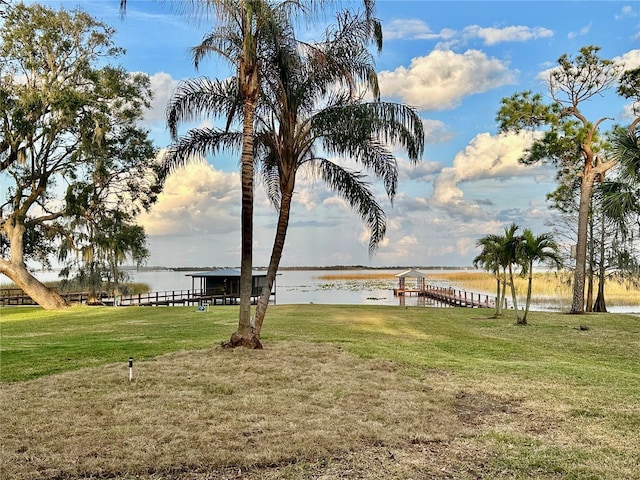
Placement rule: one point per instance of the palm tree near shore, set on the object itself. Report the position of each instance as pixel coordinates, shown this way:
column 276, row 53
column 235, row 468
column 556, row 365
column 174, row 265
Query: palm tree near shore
column 316, row 114
column 512, row 251
column 536, row 249
column 310, row 99
column 491, row 258
column 244, row 34
column 248, row 34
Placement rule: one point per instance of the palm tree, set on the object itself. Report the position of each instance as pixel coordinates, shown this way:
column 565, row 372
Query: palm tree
column 308, row 109
column 512, row 251
column 619, row 204
column 536, row 249
column 239, row 38
column 491, row 259
column 249, row 34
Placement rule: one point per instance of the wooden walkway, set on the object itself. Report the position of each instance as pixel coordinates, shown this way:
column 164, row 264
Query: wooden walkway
column 449, row 296
column 16, row 297
column 176, row 297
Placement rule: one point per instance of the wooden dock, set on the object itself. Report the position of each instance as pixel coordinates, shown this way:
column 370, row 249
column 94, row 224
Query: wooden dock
column 177, row 297
column 448, row 296
column 16, row 297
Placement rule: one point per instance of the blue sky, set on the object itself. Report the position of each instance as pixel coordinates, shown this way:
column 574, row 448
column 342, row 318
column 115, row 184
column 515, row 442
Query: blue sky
column 453, row 61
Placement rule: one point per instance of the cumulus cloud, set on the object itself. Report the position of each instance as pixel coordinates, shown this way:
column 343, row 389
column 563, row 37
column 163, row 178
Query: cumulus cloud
column 413, row 29
column 443, row 78
column 162, row 86
column 197, row 199
column 630, row 60
column 436, row 132
column 516, row 33
column 424, row 171
column 485, row 157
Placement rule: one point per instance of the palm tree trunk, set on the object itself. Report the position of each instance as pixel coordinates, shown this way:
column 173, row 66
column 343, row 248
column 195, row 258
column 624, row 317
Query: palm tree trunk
column 504, row 289
column 498, row 313
column 274, row 262
column 590, row 270
column 600, row 305
column 514, row 298
column 529, row 287
column 245, row 335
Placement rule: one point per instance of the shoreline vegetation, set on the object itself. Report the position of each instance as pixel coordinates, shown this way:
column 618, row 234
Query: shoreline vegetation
column 369, row 392
column 548, row 287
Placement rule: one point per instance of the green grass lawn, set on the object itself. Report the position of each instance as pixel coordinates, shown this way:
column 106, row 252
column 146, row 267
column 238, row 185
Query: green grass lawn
column 357, row 391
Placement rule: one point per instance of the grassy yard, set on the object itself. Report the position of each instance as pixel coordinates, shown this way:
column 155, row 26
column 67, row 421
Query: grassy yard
column 338, row 392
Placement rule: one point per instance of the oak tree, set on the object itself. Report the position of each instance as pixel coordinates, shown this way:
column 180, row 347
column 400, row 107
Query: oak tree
column 70, row 146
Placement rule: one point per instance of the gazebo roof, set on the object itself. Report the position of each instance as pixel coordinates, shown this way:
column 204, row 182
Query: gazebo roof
column 413, row 273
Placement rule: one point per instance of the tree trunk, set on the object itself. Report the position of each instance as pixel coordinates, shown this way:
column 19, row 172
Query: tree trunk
column 600, row 304
column 590, row 270
column 245, row 335
column 16, row 270
column 515, row 299
column 499, row 300
column 586, row 189
column 529, row 288
column 274, row 262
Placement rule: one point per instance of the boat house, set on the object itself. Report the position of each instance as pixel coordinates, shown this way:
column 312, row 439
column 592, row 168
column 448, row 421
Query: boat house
column 224, row 285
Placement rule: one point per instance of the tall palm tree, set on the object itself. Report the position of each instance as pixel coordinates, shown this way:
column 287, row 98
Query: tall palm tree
column 243, row 34
column 536, row 249
column 512, row 250
column 491, row 258
column 315, row 112
column 249, row 34
column 619, row 205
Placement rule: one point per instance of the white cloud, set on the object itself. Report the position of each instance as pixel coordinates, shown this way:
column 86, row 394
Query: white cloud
column 516, row 33
column 485, row 157
column 436, row 132
column 410, row 29
column 626, row 12
column 423, row 171
column 162, row 86
column 630, row 60
column 442, row 79
column 196, row 200
column 580, row 33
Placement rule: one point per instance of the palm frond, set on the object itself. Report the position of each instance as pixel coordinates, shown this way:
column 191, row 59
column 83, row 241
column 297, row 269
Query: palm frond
column 199, row 97
column 198, row 143
column 358, row 194
column 393, row 123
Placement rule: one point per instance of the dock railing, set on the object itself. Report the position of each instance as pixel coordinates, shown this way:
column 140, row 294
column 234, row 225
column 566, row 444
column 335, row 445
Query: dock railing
column 449, row 296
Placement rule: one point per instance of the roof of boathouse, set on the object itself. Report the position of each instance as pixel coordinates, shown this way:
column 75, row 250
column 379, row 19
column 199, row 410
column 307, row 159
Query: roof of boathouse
column 225, row 272
column 412, row 273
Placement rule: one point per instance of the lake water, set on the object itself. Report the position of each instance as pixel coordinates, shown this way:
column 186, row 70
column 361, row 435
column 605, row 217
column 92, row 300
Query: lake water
column 306, row 286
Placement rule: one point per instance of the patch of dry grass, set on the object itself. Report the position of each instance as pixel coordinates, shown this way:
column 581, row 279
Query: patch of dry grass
column 295, row 410
column 192, row 412
column 356, row 392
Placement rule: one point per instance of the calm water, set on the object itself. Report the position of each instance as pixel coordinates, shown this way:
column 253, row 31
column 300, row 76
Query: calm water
column 300, row 286
column 306, row 286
